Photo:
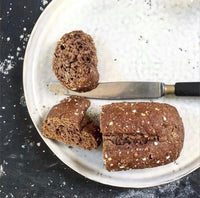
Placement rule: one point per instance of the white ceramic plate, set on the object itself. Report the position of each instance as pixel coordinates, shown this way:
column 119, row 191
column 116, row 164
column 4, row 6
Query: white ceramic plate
column 135, row 41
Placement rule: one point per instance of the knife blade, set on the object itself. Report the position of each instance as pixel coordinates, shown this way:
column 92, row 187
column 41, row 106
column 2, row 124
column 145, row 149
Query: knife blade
column 116, row 90
column 132, row 90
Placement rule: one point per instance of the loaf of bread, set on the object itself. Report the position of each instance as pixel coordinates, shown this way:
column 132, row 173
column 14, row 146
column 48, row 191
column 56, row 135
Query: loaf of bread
column 140, row 135
column 75, row 62
column 68, row 122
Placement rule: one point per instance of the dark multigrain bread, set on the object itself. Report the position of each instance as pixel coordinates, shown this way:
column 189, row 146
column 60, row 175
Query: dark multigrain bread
column 140, row 135
column 75, row 62
column 68, row 122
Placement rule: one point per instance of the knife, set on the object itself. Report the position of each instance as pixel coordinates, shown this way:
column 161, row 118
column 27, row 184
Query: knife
column 132, row 90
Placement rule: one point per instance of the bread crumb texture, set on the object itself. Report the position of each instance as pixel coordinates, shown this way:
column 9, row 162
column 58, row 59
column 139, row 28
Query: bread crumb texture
column 75, row 62
column 68, row 122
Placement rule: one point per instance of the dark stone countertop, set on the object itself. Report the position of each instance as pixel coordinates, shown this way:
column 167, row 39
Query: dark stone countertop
column 27, row 166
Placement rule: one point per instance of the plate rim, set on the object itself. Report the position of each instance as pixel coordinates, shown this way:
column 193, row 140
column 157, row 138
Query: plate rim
column 96, row 179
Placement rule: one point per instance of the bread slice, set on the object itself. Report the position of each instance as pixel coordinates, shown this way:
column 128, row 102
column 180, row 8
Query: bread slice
column 140, row 135
column 75, row 62
column 68, row 122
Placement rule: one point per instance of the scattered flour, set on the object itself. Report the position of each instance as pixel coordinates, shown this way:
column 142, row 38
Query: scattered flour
column 7, row 64
column 137, row 194
column 2, row 172
column 64, row 183
column 165, row 191
column 12, row 156
column 24, row 38
column 21, row 36
column 22, row 101
column 10, row 62
column 38, row 144
column 44, row 2
column 30, row 126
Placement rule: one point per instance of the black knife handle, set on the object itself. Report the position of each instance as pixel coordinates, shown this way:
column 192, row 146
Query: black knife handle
column 187, row 89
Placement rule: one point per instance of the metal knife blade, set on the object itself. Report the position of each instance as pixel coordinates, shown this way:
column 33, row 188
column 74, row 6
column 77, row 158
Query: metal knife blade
column 116, row 90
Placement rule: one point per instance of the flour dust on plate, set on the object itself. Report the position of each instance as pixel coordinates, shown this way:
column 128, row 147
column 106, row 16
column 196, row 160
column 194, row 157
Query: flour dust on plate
column 135, row 41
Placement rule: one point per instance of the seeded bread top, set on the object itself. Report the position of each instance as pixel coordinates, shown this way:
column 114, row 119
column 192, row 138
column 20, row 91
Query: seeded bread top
column 139, row 118
column 72, row 109
column 140, row 135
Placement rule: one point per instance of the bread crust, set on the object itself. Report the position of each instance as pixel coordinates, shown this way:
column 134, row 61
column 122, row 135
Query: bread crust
column 68, row 122
column 140, row 135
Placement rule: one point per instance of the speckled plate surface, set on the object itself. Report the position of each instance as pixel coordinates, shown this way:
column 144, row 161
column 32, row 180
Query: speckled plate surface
column 136, row 40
